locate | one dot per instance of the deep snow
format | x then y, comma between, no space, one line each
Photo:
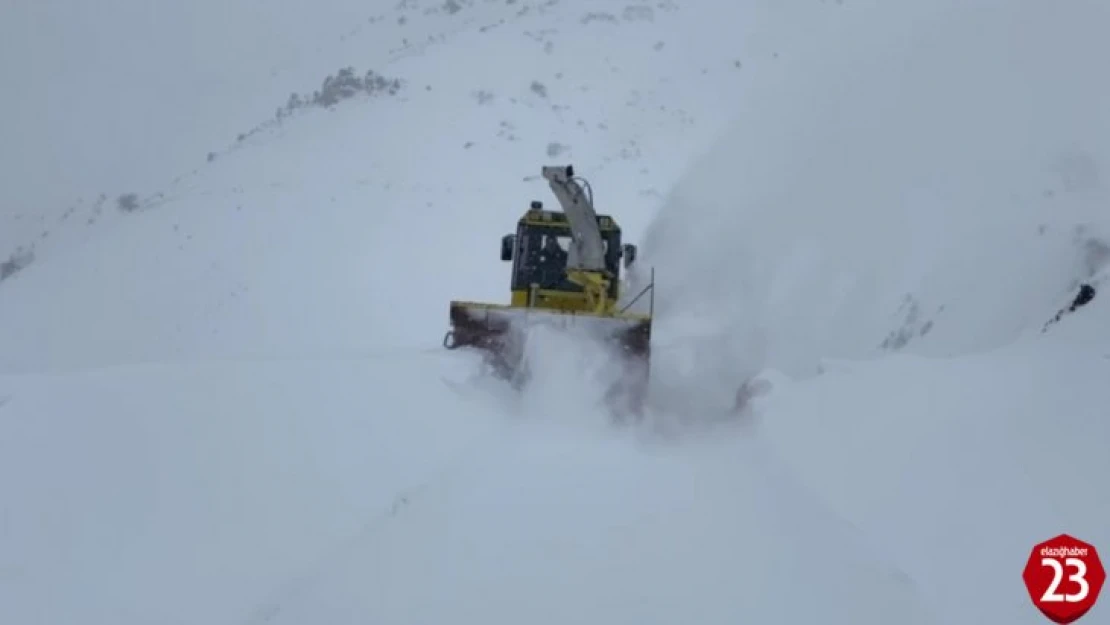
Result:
232,406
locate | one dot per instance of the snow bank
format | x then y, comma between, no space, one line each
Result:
191,494
955,467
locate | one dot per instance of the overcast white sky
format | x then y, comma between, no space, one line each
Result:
117,94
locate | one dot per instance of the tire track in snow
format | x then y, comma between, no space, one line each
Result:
441,479
719,524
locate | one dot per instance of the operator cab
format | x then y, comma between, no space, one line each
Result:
541,247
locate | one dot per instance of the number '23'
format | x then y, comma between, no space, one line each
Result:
1079,577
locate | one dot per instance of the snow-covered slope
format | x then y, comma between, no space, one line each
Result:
231,406
165,88
929,176
434,173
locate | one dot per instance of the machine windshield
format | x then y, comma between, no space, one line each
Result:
544,257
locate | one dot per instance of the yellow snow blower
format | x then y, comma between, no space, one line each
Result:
565,274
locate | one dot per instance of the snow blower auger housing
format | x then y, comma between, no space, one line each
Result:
566,274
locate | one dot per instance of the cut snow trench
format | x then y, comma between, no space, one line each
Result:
563,527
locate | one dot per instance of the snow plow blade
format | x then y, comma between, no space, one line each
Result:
500,333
